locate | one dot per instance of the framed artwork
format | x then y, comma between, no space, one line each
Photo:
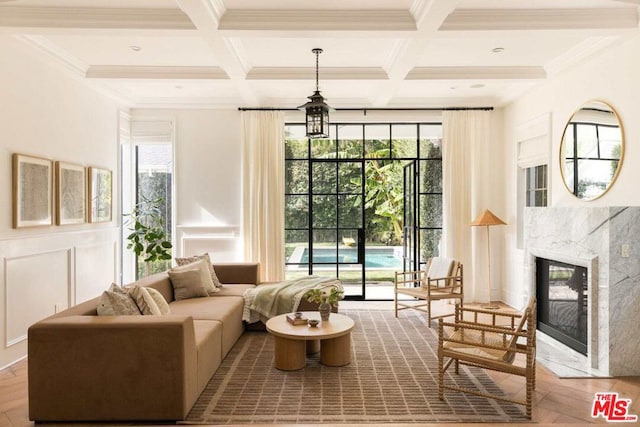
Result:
70,193
99,195
32,191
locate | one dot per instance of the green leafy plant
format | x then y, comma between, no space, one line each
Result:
319,296
148,238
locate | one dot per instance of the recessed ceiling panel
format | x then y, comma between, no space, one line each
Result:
523,49
120,50
146,4
314,4
296,52
175,88
537,4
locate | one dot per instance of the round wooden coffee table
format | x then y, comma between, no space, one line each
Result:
292,343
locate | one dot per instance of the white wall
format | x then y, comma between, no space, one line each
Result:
47,113
208,181
611,77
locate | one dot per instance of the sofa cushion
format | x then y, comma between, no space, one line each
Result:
116,302
190,281
208,343
207,260
227,310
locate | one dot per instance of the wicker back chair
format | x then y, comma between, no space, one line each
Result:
442,279
490,344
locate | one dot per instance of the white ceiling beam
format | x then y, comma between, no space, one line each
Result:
431,14
308,73
318,20
476,73
155,72
206,15
93,17
540,19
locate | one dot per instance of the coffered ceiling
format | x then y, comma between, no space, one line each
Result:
377,53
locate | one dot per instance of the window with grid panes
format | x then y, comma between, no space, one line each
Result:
536,186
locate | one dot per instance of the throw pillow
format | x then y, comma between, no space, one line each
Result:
116,302
145,301
190,281
162,303
214,277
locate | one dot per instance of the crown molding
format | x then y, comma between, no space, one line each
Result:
188,103
76,68
471,73
93,17
540,19
579,53
154,72
314,20
308,73
60,56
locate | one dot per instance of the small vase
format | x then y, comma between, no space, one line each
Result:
325,310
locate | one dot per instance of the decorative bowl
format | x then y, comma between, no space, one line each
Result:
298,314
313,322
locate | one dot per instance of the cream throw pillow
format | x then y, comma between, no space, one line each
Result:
439,267
116,302
191,281
214,277
162,303
149,301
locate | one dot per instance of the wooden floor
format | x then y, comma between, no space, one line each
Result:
557,401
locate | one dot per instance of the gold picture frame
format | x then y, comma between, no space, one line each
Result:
32,191
71,193
100,193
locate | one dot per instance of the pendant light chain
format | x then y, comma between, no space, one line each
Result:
317,67
317,51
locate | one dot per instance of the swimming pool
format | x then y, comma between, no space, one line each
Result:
373,257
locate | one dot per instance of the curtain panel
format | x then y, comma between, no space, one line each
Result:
263,191
465,170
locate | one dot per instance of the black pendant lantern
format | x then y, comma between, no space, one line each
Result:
317,111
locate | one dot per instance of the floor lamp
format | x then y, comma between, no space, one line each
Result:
487,218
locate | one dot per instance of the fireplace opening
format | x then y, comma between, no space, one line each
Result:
561,290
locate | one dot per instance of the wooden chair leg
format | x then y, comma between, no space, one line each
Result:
529,396
395,301
440,363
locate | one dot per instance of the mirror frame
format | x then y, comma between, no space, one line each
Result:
562,157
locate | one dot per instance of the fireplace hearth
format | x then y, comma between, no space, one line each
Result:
562,294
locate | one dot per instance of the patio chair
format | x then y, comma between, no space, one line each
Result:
442,279
490,339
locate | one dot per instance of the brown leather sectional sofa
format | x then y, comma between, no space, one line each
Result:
85,367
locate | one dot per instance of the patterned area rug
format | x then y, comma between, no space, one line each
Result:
392,378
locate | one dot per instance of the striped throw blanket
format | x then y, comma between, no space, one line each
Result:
266,301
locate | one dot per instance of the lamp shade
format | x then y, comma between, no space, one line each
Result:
487,218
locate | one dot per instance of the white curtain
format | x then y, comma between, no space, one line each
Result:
465,191
263,191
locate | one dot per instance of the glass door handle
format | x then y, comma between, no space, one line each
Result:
360,245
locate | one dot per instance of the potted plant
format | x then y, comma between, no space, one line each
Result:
325,299
148,238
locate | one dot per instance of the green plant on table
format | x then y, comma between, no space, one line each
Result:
326,296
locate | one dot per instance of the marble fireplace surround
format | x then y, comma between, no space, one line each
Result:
593,238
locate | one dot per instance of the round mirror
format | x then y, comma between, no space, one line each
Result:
591,150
